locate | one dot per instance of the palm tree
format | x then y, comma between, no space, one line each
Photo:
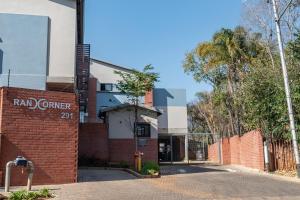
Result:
222,61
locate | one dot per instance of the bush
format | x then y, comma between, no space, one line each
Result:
24,195
150,168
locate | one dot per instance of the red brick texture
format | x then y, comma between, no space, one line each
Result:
92,100
49,138
93,141
149,98
213,152
246,150
124,149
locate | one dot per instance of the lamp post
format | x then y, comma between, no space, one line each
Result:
286,82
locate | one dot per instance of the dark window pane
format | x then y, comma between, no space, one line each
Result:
106,87
143,130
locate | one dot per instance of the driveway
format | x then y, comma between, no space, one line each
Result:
178,183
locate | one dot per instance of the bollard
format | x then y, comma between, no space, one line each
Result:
30,175
138,161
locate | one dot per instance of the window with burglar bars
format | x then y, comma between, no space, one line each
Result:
143,130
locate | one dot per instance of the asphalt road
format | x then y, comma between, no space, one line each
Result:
178,183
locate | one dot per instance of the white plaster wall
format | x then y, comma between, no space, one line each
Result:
121,123
173,120
104,73
62,14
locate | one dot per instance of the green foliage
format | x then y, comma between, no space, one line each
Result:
24,195
248,87
222,62
137,83
150,168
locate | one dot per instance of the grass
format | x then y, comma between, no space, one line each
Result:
25,195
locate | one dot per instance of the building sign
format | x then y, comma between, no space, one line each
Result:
44,104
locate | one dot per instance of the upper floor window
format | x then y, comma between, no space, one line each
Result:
107,87
143,130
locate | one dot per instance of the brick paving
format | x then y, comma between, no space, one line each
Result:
178,183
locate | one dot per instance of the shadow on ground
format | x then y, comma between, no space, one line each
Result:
94,175
187,169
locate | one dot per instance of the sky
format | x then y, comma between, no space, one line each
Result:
134,33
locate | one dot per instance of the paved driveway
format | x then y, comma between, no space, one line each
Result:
178,183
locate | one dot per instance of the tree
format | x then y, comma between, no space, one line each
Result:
135,85
222,62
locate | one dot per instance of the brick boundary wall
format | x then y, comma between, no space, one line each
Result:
246,150
93,141
48,137
213,153
124,149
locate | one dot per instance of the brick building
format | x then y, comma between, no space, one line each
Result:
163,141
42,61
56,108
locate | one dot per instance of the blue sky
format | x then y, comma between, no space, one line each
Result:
134,33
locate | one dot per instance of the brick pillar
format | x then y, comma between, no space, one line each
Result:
149,98
92,100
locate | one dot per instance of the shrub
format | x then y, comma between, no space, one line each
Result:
150,168
24,195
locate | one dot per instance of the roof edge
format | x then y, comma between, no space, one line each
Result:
112,65
125,105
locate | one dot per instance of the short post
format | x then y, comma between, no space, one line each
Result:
7,175
30,175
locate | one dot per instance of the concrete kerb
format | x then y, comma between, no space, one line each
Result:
239,168
130,171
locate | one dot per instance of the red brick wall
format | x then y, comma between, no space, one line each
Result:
93,141
92,100
41,136
149,98
246,150
235,142
124,149
251,150
213,152
226,151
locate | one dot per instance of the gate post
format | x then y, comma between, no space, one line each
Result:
266,156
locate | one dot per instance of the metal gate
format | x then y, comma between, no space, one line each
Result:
198,146
185,147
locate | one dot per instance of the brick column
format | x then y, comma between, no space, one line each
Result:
92,100
149,98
